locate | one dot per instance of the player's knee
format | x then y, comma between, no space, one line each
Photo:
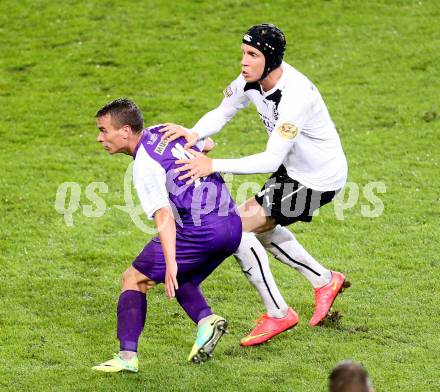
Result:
128,278
267,227
132,279
252,215
265,238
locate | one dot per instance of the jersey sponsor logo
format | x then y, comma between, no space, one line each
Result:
287,131
153,138
275,113
247,38
160,148
228,92
267,122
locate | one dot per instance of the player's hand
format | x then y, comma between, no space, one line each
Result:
171,284
209,145
199,166
173,131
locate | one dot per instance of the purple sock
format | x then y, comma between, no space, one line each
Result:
132,312
191,299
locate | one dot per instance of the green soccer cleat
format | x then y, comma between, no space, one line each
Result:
117,364
208,335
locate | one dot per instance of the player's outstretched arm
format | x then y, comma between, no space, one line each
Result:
174,131
211,123
209,145
265,162
166,226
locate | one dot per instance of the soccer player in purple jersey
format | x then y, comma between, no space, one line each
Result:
198,226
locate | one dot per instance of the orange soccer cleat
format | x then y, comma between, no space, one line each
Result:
268,327
326,295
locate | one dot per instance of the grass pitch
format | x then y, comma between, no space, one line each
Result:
376,65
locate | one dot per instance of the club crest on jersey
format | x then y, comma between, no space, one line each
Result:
228,92
287,131
160,148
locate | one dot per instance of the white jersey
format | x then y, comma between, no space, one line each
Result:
302,135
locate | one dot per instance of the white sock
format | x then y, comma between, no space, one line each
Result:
283,245
127,355
255,265
205,319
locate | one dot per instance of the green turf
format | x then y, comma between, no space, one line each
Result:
375,63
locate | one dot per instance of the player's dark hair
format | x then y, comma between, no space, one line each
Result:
349,376
123,112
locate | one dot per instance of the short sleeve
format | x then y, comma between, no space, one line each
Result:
149,179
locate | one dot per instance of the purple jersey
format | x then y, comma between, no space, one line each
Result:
157,184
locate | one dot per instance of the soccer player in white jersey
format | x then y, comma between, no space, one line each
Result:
309,168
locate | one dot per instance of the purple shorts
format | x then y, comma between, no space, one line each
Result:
199,250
